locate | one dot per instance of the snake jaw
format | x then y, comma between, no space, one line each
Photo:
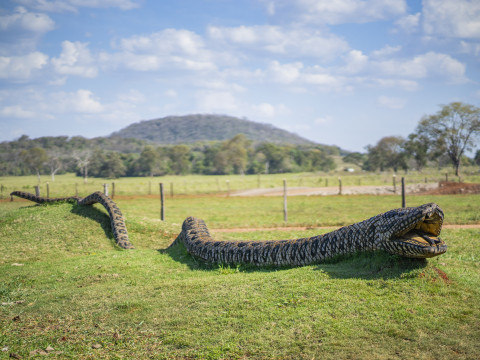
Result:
421,238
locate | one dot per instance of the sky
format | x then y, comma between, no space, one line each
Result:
337,72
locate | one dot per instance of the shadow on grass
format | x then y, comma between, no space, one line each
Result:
97,215
369,265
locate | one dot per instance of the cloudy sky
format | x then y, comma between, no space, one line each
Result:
342,72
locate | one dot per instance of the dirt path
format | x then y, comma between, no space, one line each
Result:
303,228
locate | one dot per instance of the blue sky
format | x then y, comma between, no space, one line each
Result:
340,72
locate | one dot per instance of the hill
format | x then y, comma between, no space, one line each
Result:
193,128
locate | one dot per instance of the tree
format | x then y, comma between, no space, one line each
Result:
34,158
456,125
179,159
83,158
55,162
388,153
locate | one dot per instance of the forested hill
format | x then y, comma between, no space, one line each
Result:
193,128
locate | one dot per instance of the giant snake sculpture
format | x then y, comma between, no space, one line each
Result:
411,232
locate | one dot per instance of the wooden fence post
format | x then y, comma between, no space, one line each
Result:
285,211
394,183
403,192
37,190
48,190
113,189
339,186
171,189
162,203
105,189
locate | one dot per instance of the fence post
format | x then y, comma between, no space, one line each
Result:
339,186
446,177
105,189
403,192
171,189
37,190
48,190
285,211
113,189
394,183
76,189
162,203
149,188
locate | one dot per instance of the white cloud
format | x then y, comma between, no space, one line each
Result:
168,48
392,102
216,101
75,59
423,66
80,101
356,62
21,67
21,19
340,11
267,110
409,23
452,18
73,5
21,30
284,73
386,51
16,111
290,42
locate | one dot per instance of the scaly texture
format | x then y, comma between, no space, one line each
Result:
116,218
409,232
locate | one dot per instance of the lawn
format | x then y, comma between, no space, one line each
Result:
68,291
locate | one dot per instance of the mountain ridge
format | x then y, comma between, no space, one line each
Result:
185,129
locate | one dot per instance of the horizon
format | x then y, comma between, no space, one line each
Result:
333,72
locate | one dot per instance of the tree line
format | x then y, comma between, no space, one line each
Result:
113,158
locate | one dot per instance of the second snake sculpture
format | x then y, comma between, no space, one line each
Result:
116,218
410,232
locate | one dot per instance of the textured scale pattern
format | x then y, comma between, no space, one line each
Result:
116,218
379,232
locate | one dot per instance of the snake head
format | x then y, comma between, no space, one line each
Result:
412,232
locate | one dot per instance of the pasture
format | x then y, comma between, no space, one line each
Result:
69,292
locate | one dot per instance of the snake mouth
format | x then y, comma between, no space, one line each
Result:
421,240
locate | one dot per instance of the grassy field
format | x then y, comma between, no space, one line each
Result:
68,291
69,184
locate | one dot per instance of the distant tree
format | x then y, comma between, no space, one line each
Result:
34,158
387,153
232,157
83,159
147,161
179,159
456,125
112,166
356,158
55,162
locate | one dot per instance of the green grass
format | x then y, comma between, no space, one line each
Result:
76,289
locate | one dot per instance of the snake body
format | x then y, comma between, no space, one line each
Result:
411,232
117,221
